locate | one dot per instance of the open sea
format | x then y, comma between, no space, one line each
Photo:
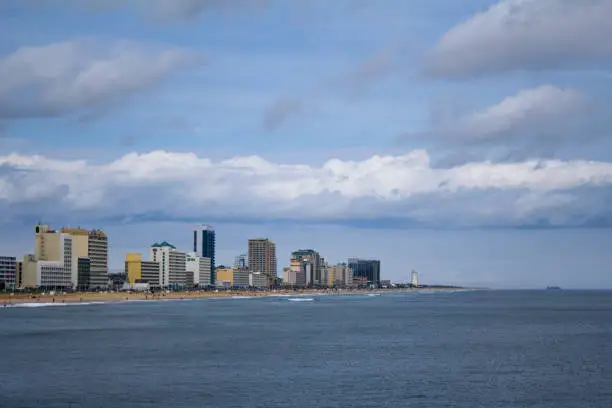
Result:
461,349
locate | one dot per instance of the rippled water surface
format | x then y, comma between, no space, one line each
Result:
462,349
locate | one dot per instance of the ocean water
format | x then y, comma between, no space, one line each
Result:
463,349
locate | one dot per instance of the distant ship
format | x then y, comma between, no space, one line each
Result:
553,288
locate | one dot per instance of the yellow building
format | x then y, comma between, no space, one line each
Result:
138,271
331,275
225,275
133,267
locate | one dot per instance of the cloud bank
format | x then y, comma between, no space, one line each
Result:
526,35
80,75
404,189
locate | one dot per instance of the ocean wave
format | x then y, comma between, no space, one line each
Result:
300,299
242,297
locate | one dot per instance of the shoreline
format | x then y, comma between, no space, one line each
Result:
7,299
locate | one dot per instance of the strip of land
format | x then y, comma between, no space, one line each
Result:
107,297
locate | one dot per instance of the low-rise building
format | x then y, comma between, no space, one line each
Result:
241,278
289,277
200,267
139,271
53,275
258,280
225,275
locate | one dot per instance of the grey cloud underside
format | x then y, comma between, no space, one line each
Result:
80,76
402,191
541,122
526,35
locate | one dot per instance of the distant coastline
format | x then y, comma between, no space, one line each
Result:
110,297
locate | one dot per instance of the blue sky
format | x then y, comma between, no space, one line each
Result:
451,137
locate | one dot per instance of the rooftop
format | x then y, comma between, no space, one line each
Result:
162,244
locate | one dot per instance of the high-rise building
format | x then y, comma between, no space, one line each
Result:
339,275
241,261
312,264
172,264
204,245
200,267
92,245
366,268
55,263
8,271
139,271
262,258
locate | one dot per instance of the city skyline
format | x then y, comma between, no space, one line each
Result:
453,137
77,258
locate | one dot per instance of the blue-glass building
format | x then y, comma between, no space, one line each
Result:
368,268
204,246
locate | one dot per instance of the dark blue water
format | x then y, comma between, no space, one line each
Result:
473,349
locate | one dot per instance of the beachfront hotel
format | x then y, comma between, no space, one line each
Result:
262,258
172,264
53,264
367,270
90,245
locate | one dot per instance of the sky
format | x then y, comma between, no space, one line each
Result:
468,140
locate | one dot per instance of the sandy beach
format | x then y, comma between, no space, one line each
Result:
108,297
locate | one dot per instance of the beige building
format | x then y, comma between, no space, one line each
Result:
339,275
28,271
93,245
53,264
262,258
289,276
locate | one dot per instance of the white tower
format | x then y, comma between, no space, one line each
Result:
414,279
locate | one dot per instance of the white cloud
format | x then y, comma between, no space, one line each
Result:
403,187
526,35
76,76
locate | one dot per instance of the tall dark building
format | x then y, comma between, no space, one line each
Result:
84,273
368,268
204,246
